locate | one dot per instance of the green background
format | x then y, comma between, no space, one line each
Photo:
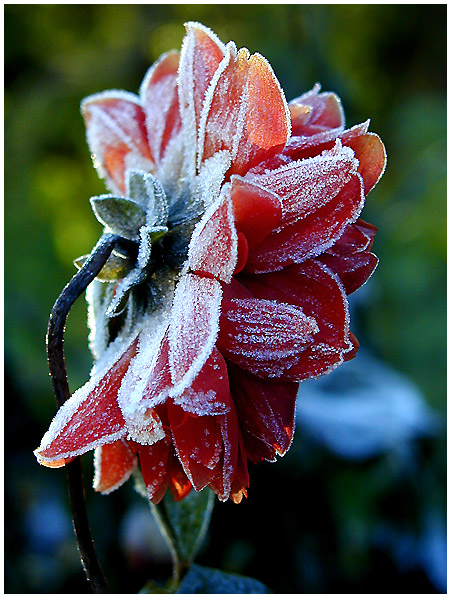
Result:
387,62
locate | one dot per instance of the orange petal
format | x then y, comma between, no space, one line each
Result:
117,136
114,464
370,152
159,97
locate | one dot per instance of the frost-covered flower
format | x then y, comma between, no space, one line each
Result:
241,239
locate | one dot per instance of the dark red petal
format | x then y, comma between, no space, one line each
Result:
355,347
114,463
209,392
353,270
370,152
317,290
213,248
257,210
243,253
263,336
179,484
356,237
312,235
266,412
240,481
117,136
90,418
159,97
153,460
225,470
197,441
193,329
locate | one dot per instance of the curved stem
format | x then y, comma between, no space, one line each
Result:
57,367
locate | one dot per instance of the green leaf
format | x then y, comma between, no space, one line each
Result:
185,522
203,580
146,190
115,268
122,216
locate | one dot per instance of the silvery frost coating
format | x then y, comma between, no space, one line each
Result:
241,239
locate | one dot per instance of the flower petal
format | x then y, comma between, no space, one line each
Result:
113,465
245,111
266,411
153,461
90,418
209,392
225,470
370,151
213,248
198,444
200,56
240,481
356,237
353,270
312,235
257,210
261,335
193,329
159,97
117,136
315,112
312,286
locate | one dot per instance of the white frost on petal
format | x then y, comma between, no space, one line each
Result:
142,425
207,184
193,329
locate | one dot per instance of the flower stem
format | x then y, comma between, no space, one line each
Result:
58,374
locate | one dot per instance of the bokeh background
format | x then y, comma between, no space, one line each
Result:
358,504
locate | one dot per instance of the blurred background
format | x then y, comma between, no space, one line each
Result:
358,504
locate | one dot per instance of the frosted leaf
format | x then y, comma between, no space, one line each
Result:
214,244
148,191
98,297
132,279
115,268
148,235
121,216
193,328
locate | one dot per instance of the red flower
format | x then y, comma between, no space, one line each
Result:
258,204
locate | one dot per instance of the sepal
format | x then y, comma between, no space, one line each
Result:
115,268
122,216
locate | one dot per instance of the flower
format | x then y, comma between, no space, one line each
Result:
240,240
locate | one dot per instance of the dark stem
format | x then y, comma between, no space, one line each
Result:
58,374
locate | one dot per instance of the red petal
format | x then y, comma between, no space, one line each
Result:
245,111
117,136
179,484
114,463
221,483
355,347
354,270
240,480
266,411
312,235
262,336
159,382
200,57
198,443
213,248
356,237
318,291
315,112
153,461
257,210
209,392
305,186
193,329
90,418
159,97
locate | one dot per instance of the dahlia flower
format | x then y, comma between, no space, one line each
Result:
240,239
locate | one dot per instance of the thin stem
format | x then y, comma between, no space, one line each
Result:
58,374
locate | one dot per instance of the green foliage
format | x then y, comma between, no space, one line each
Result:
203,580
